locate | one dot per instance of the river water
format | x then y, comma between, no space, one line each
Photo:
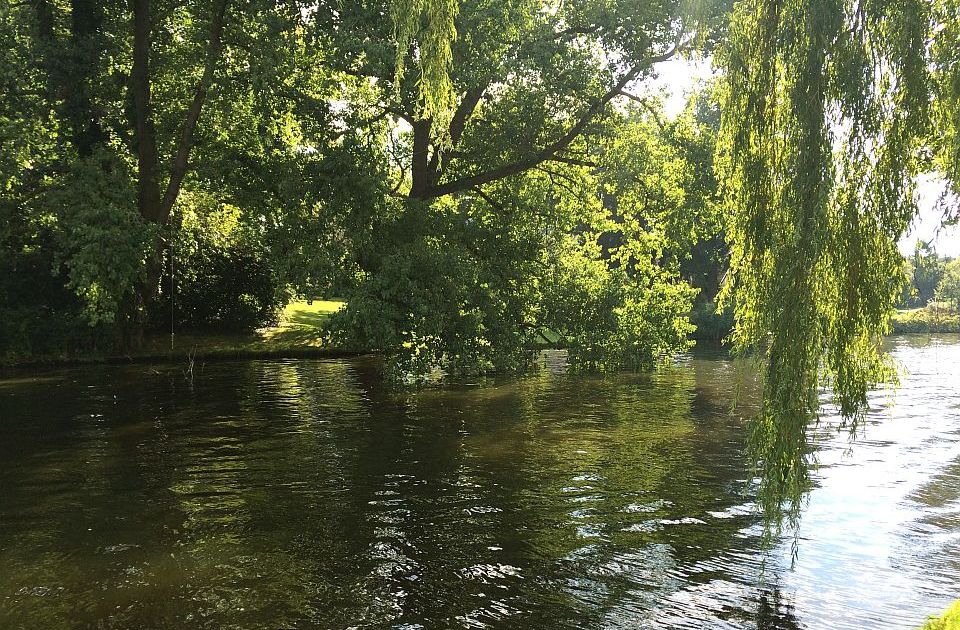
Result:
307,494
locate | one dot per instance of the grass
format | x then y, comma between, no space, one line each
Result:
949,620
936,317
300,328
298,333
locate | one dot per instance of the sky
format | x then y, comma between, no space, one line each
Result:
677,77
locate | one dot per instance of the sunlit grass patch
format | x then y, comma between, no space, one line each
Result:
301,323
315,313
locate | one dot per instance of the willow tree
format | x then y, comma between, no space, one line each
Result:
431,25
946,72
826,114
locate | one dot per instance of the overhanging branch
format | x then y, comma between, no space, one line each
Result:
552,149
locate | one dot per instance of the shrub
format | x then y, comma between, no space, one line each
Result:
949,288
711,325
222,273
934,318
949,620
39,314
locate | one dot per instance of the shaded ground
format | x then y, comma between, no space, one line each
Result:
300,328
299,333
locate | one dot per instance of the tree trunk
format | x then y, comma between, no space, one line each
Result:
155,203
420,168
148,188
85,25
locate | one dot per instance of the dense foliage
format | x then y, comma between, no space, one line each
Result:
472,196
480,178
924,271
826,111
948,290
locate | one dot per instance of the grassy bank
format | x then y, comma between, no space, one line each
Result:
929,319
297,334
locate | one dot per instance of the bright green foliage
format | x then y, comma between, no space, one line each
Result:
927,270
933,318
524,222
949,620
824,107
583,255
431,24
615,319
908,293
949,289
444,288
946,108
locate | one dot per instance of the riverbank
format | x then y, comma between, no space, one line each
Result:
298,334
934,318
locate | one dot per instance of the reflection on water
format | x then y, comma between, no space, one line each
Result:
294,494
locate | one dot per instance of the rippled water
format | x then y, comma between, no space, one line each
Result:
306,494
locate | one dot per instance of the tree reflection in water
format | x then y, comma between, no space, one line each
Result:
309,493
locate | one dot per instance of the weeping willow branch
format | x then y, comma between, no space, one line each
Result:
946,64
429,28
825,105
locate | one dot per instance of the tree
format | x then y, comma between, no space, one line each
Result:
928,270
113,112
502,191
826,108
88,73
949,289
155,201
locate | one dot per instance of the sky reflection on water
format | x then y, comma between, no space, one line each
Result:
307,494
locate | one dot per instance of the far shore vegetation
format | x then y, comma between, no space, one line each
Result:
929,303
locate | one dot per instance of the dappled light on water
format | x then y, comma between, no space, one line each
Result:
310,494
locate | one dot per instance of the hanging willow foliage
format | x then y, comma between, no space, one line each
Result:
428,26
825,106
946,64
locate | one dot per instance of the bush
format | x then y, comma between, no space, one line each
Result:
949,620
39,314
711,326
949,288
222,273
936,317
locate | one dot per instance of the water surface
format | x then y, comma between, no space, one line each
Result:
307,494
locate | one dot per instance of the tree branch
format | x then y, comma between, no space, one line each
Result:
181,160
490,200
458,123
646,105
573,161
549,151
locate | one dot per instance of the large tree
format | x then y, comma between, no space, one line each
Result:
497,149
523,84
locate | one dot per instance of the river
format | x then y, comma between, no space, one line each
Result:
307,494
